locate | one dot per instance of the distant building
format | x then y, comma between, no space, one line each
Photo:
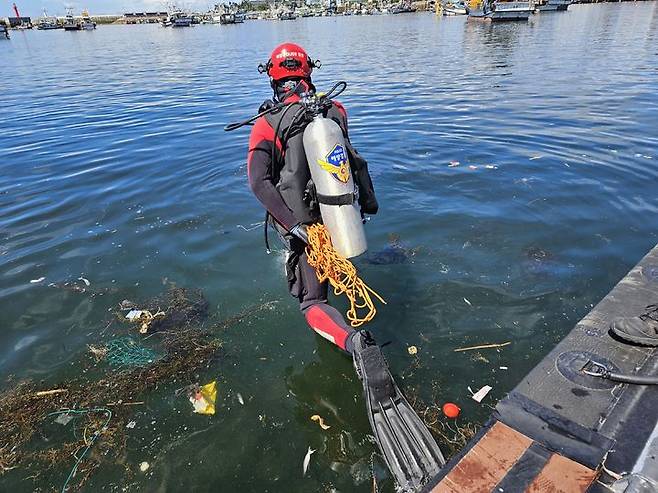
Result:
17,21
145,14
143,17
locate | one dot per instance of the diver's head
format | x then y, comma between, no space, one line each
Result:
289,69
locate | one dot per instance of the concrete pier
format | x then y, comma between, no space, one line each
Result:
563,430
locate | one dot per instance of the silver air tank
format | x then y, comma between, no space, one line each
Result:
329,164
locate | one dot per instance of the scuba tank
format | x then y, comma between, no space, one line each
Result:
326,153
337,194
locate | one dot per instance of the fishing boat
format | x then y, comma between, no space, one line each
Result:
177,18
553,5
500,10
287,15
70,22
453,8
402,8
227,18
47,23
87,24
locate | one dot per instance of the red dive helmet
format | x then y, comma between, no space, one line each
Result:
288,60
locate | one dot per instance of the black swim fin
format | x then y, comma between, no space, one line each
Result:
412,455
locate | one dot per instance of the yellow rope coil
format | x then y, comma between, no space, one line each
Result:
340,272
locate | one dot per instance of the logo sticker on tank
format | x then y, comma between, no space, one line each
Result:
337,164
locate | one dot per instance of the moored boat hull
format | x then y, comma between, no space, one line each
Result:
503,11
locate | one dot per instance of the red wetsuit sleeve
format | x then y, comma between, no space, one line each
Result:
261,176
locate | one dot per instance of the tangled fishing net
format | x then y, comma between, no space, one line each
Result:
342,275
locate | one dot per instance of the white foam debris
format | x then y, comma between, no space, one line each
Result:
482,393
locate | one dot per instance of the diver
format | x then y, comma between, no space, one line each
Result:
280,178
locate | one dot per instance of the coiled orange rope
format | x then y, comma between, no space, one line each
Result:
340,272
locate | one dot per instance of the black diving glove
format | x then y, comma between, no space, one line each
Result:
300,231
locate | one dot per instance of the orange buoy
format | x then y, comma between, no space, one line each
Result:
451,410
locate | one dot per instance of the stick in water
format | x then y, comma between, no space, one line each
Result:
44,393
484,346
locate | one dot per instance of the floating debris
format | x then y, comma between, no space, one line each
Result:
451,410
63,419
251,227
99,353
240,399
86,281
144,466
144,317
184,349
307,460
131,425
320,420
412,350
203,399
483,346
36,281
481,394
453,164
46,393
125,351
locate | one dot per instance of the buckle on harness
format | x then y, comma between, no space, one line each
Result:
344,199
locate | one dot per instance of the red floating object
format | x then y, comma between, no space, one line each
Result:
451,410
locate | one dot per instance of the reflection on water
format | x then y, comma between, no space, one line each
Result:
116,169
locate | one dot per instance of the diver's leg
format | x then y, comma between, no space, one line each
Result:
320,316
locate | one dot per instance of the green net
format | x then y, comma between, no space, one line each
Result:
125,351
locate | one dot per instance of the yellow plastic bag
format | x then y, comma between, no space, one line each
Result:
204,399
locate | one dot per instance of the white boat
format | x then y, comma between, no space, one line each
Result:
47,23
500,10
87,24
451,9
177,19
70,22
553,5
230,18
286,15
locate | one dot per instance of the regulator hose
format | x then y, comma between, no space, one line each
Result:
601,371
330,94
336,90
234,126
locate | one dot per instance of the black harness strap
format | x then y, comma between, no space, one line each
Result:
344,199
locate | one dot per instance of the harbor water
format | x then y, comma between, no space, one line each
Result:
515,165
